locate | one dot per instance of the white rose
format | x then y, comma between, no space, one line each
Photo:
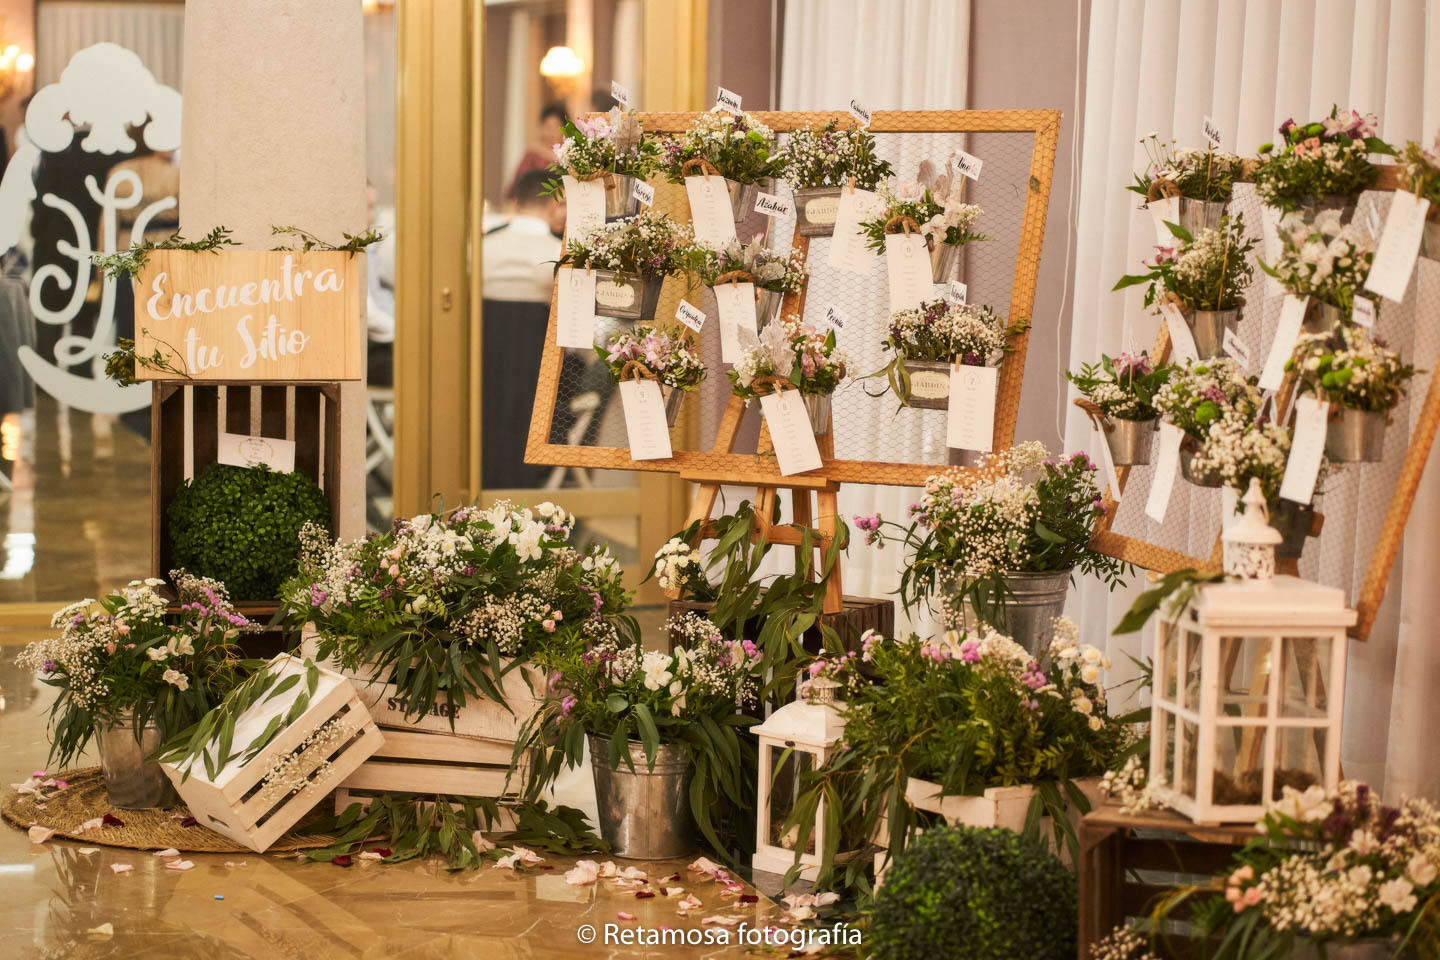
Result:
1421,870
1090,655
177,679
1083,705
1096,724
1090,673
1398,895
656,667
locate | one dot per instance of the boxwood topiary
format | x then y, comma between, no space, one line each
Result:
241,526
978,893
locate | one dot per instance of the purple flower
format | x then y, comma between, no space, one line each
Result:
317,595
49,666
567,705
970,651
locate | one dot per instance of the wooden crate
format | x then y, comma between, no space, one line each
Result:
1127,861
860,614
437,763
237,804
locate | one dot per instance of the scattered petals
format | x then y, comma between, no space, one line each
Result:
87,851
370,855
749,898
232,863
543,866
383,851
722,921
584,872
801,913
633,873
61,784
622,915
691,902
341,861
481,844
94,824
180,865
110,820
104,931
644,894
121,867
706,866
40,834
673,877
518,856
671,891
167,852
38,775
608,869
189,822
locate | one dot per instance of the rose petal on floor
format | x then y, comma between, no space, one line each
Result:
180,865
121,867
167,852
105,931
39,834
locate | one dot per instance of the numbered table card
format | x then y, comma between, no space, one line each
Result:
970,421
1182,341
736,303
710,210
1166,465
790,432
645,420
1287,331
907,263
575,308
1307,447
847,248
584,206
1399,246
240,450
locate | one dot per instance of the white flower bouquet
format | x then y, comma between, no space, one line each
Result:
1327,160
647,246
768,269
601,144
949,221
1325,260
1209,271
790,351
1350,369
1196,174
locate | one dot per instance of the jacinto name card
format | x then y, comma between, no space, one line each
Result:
251,315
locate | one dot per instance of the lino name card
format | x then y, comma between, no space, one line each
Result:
240,450
584,206
1182,341
736,303
645,420
1307,447
790,432
1287,331
847,247
970,419
907,264
575,308
1165,467
1399,246
710,210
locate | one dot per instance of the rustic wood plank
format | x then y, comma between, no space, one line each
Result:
307,430
272,411
237,409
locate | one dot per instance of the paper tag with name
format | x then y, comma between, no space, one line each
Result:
1167,463
958,291
1363,311
575,308
710,212
860,113
970,418
620,94
1307,447
240,450
835,317
643,192
772,206
1182,341
968,165
1212,133
736,305
847,248
727,100
1236,348
1399,246
790,432
907,264
1162,211
1270,243
1107,459
1287,331
690,315
645,420
584,206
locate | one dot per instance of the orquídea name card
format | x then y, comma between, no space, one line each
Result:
251,315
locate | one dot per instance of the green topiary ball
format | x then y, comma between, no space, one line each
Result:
241,526
978,893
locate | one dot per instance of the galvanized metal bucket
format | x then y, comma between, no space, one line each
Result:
1430,236
1356,436
1028,615
1321,317
674,398
929,384
1129,440
942,261
817,406
633,298
815,211
743,196
1371,949
1310,209
131,781
966,458
1197,215
1188,450
645,814
1293,521
619,196
766,303
1208,328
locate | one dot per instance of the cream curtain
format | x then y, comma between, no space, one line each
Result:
154,31
1250,64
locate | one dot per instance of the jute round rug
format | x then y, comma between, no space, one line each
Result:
154,829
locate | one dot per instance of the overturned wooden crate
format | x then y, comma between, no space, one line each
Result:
254,803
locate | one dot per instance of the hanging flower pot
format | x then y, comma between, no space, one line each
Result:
817,407
1310,208
644,812
1189,450
674,398
1321,317
1026,613
626,298
742,195
1197,215
929,384
1430,235
767,302
619,196
815,210
132,781
1129,440
1294,522
942,255
1356,436
1208,328
965,458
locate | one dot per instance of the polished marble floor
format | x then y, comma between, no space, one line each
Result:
276,908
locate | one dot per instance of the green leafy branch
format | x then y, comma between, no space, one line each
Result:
122,363
129,263
1182,583
354,242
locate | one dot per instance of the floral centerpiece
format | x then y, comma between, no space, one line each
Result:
1121,397
1362,381
792,354
1325,261
1023,529
925,340
819,162
1324,164
607,146
446,604
1196,396
1206,275
1422,178
1202,180
737,147
123,667
773,272
672,360
955,715
946,224
651,714
631,258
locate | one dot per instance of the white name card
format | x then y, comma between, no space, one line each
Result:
575,308
1235,347
1164,480
727,100
643,192
1166,209
1287,331
968,165
907,264
645,420
620,94
1399,246
860,113
1212,133
1182,341
736,305
847,248
772,206
690,315
970,418
790,432
1307,447
240,450
1363,311
835,317
710,210
584,206
958,292
1112,476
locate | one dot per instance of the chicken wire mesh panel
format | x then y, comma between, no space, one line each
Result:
1355,498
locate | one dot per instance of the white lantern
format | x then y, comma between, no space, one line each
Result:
807,728
1249,689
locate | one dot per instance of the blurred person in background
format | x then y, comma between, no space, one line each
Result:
541,152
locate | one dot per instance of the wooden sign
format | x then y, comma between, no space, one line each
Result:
251,315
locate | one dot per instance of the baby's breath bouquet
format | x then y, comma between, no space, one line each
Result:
942,331
1200,392
1123,388
1324,259
1209,271
769,269
792,351
829,157
949,221
644,246
601,144
737,146
1350,369
1237,449
673,359
1197,174
1328,159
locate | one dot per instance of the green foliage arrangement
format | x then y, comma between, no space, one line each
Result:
981,894
1198,174
612,143
1422,170
241,526
1323,160
829,157
738,146
1207,272
1124,387
1348,368
126,265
